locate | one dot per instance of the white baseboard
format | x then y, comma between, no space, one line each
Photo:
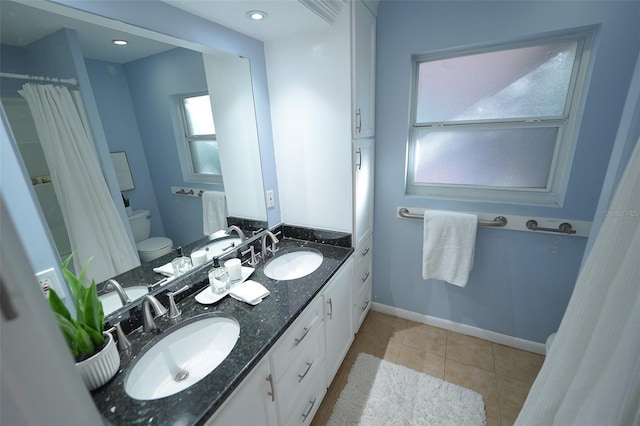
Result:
492,336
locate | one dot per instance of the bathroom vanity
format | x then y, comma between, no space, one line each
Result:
289,347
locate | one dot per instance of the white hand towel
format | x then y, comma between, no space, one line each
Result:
449,244
166,270
214,212
250,292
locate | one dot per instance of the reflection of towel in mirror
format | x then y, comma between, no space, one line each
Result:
214,211
449,244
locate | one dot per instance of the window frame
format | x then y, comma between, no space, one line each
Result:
567,123
184,148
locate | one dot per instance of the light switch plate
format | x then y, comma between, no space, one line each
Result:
270,198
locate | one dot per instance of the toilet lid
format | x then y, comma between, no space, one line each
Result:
153,244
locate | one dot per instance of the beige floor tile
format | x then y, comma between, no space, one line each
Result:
470,350
477,379
517,364
423,361
511,396
494,421
426,338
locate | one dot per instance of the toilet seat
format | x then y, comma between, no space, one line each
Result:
153,248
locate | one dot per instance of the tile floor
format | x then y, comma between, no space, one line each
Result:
503,375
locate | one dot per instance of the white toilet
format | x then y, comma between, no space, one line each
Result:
148,248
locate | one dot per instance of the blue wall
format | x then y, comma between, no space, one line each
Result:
521,281
111,89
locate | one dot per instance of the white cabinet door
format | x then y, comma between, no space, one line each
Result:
253,403
363,56
337,318
363,157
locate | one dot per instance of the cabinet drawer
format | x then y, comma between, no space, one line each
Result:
294,339
364,250
364,269
362,304
301,372
309,400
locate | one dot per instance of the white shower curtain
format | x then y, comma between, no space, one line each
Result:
94,225
591,375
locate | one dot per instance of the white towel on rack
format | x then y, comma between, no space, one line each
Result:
214,211
449,245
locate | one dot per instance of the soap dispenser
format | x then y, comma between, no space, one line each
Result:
218,278
181,263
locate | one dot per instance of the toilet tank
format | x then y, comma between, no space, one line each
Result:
140,222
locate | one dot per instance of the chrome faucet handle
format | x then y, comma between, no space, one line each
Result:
253,261
174,312
122,342
115,285
149,302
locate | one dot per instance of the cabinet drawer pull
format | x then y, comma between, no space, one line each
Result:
358,120
304,416
365,305
272,394
365,276
365,251
359,154
303,375
306,331
330,302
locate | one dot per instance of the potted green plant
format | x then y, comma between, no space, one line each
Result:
95,351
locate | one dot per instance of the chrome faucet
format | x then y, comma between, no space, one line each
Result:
115,285
272,249
149,302
238,231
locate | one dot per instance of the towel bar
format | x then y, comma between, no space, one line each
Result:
497,222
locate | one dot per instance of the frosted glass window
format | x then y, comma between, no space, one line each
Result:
200,157
205,157
198,116
510,158
517,83
497,123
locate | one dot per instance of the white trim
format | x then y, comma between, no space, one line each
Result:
492,336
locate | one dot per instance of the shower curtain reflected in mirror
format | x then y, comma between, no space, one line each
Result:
94,226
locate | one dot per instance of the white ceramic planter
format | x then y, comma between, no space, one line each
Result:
102,366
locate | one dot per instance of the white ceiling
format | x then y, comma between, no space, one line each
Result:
25,21
286,18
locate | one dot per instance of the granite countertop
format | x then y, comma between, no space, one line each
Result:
260,328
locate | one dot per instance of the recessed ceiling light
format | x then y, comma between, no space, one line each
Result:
120,42
256,15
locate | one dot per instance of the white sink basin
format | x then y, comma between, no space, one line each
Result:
216,248
183,357
293,265
111,301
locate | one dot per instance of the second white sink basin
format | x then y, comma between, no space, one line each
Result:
293,265
111,301
189,352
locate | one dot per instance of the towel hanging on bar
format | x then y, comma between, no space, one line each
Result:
448,246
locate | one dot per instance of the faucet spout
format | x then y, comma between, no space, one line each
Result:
266,252
237,230
115,285
149,302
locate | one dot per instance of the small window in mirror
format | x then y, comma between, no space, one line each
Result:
200,144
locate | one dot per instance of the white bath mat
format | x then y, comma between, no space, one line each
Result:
379,392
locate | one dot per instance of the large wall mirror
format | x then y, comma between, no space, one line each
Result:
137,99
